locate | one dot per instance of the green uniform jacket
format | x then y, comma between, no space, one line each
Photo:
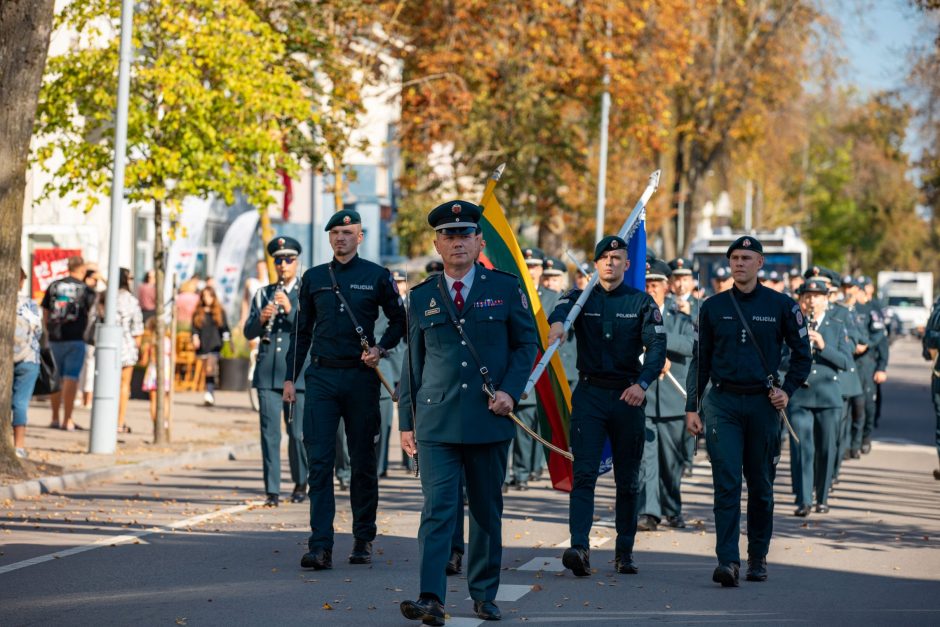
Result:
663,398
271,369
548,299
822,386
849,381
449,403
390,365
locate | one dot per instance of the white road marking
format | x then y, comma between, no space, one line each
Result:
595,542
510,592
461,621
125,538
547,564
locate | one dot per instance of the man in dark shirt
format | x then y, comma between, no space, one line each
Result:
742,423
66,305
340,301
616,323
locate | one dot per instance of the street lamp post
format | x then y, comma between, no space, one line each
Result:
104,411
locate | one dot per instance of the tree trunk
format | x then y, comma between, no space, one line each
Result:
161,433
25,28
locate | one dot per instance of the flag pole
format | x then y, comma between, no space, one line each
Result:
625,232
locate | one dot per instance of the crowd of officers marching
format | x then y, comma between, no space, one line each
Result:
654,372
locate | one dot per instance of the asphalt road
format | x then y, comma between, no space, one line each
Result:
186,547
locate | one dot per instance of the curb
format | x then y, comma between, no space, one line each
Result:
45,485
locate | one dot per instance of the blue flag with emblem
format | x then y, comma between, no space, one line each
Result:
635,277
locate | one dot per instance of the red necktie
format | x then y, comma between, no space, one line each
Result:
458,297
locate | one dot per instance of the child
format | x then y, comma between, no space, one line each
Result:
150,376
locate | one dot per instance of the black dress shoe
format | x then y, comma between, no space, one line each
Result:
453,564
272,500
802,511
625,565
318,559
578,561
676,522
822,508
727,575
428,611
487,610
936,475
757,569
361,553
343,484
866,446
299,495
646,523
522,486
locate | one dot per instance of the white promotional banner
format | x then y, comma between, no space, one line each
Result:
231,260
181,257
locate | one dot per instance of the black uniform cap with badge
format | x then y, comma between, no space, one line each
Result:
680,267
817,272
457,217
284,247
746,242
345,217
553,266
611,242
657,269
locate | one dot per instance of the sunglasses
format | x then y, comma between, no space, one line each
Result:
279,260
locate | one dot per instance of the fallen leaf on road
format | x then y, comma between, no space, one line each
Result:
327,606
180,621
536,588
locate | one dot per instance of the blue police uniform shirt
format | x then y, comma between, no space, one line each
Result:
725,352
612,330
367,287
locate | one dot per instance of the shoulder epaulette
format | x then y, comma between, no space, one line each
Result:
497,270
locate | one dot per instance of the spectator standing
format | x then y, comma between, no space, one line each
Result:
86,380
25,362
187,300
66,306
210,330
131,319
147,296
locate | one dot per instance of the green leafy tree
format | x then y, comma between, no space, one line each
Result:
208,102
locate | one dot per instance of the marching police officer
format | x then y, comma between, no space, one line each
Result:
616,323
467,327
340,301
853,405
664,451
272,317
816,408
931,352
738,350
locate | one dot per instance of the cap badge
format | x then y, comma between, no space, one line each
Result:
455,209
614,244
347,220
648,266
680,263
280,241
550,263
746,243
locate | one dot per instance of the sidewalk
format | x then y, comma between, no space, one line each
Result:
198,433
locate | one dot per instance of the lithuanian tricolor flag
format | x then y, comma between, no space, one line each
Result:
553,395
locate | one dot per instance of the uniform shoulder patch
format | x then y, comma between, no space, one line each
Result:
525,301
657,316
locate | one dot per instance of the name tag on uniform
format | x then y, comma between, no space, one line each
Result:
360,286
431,312
626,315
588,313
488,302
727,317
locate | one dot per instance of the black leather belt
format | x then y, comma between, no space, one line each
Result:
607,383
353,362
737,388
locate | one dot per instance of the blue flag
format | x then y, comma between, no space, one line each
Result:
635,277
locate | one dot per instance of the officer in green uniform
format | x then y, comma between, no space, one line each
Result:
341,381
467,327
527,455
272,317
853,407
873,363
816,407
568,350
931,352
862,337
682,284
390,367
614,326
742,424
663,454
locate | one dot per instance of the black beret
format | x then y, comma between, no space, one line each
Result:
680,266
657,269
611,242
554,266
284,246
456,217
343,218
746,242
